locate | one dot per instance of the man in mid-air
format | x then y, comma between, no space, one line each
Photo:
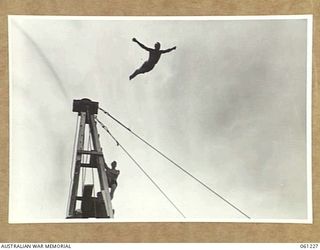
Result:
154,56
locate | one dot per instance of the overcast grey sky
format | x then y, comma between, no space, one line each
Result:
229,105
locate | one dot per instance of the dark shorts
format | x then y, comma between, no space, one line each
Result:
146,67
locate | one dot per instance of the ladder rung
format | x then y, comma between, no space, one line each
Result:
80,198
92,152
87,165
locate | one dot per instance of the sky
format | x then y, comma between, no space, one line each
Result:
228,105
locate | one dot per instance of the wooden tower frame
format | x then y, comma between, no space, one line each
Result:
87,110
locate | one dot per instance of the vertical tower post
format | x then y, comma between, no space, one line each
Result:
77,167
87,110
104,186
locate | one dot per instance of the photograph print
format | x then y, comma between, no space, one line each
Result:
142,119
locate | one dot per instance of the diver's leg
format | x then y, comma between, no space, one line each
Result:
146,67
137,72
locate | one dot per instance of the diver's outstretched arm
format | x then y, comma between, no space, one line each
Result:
168,50
141,45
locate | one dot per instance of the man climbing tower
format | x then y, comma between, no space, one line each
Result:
154,56
112,175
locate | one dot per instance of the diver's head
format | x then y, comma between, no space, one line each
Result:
157,45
